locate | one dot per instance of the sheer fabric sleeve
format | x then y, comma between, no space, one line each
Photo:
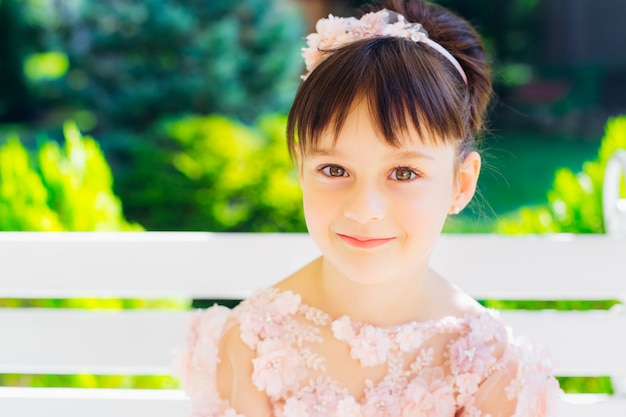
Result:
522,385
196,364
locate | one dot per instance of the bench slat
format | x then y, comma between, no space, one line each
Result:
133,342
206,265
582,343
606,406
141,342
64,402
71,402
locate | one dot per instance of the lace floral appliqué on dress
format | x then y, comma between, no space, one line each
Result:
454,366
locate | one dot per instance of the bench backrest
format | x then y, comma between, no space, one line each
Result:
231,266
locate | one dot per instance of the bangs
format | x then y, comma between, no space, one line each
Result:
407,86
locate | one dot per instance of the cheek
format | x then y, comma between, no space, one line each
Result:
424,210
427,197
316,207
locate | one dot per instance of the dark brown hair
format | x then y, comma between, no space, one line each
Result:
406,84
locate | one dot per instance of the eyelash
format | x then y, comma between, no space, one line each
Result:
325,169
415,173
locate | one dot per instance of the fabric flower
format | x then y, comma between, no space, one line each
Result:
342,329
295,408
514,388
375,22
370,345
473,411
383,400
335,32
485,326
428,397
409,338
232,413
469,354
320,401
348,407
277,367
546,400
200,355
538,391
448,324
267,317
466,387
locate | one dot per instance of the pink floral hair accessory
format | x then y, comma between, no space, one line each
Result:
334,32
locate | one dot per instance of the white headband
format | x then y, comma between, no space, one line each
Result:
335,32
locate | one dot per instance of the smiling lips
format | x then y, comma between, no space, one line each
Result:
364,242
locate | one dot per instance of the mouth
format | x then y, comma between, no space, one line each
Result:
363,242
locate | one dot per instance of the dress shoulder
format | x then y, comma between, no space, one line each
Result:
195,364
522,383
535,387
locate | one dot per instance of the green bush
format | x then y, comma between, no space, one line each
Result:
131,63
67,189
216,174
14,95
575,200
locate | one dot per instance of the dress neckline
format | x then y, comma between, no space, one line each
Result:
447,320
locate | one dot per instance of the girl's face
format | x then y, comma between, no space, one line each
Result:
375,211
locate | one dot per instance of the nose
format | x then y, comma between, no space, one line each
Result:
365,204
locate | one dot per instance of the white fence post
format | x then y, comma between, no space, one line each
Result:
613,204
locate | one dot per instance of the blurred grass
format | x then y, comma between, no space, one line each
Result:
94,303
586,385
559,305
518,170
89,381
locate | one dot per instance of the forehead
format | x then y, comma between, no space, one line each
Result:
361,128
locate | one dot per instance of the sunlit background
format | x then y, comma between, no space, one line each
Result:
170,114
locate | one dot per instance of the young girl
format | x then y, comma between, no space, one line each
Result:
382,129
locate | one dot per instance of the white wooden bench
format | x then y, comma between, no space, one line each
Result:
229,266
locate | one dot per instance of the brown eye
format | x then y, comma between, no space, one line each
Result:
334,171
403,174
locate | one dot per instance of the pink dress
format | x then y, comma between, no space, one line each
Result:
454,366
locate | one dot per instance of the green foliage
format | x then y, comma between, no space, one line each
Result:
14,95
213,173
96,303
586,385
510,28
48,65
63,189
575,200
132,63
90,381
561,305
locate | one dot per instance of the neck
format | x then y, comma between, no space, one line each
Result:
394,301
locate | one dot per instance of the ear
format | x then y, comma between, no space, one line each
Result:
466,181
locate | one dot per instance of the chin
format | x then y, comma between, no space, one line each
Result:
365,272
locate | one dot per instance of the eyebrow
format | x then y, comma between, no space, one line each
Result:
412,155
324,152
393,154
